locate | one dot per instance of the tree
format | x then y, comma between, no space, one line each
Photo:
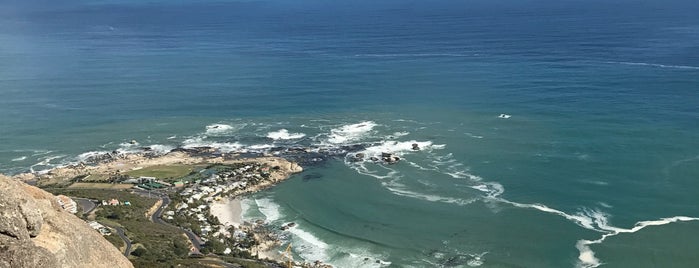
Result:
139,252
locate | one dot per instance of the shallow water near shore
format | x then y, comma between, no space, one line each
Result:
544,139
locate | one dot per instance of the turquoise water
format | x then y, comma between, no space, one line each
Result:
602,132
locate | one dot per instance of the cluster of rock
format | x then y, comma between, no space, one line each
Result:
36,232
287,226
390,158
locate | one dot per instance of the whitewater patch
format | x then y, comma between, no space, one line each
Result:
160,149
473,135
399,148
284,134
21,158
351,133
269,209
587,259
46,162
222,129
88,155
225,147
309,246
431,198
400,134
312,248
260,147
476,259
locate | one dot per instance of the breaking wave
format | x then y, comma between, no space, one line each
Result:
222,129
351,133
284,134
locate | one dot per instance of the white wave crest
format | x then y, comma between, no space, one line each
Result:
473,135
267,207
476,259
21,158
491,189
87,155
284,134
160,148
398,147
686,67
46,163
260,146
225,147
432,198
221,129
351,133
587,259
400,134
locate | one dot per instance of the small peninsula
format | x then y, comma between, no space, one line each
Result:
176,208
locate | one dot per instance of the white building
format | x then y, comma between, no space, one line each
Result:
67,204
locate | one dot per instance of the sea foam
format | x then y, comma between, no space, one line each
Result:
222,129
225,147
284,134
21,158
350,133
267,207
587,259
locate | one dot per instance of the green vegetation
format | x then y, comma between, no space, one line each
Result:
116,241
158,245
163,172
161,245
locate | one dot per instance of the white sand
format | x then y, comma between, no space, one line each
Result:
228,211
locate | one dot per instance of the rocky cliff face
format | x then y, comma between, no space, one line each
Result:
36,232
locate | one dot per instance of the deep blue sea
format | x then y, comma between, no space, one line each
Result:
552,133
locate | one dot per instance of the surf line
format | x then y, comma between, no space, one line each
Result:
586,258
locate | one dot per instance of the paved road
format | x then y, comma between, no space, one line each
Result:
122,235
127,241
156,217
86,204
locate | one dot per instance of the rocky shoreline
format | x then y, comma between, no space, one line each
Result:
111,165
251,174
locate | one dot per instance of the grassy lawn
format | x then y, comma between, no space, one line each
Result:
163,172
86,185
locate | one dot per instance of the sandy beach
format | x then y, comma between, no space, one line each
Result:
228,211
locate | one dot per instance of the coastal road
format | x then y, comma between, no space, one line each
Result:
122,235
156,217
86,204
127,241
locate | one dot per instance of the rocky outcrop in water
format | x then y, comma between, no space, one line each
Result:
36,232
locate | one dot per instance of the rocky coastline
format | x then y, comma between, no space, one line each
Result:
251,174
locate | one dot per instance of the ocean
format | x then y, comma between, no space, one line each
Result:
551,133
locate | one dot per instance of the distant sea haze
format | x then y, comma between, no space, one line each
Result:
548,133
